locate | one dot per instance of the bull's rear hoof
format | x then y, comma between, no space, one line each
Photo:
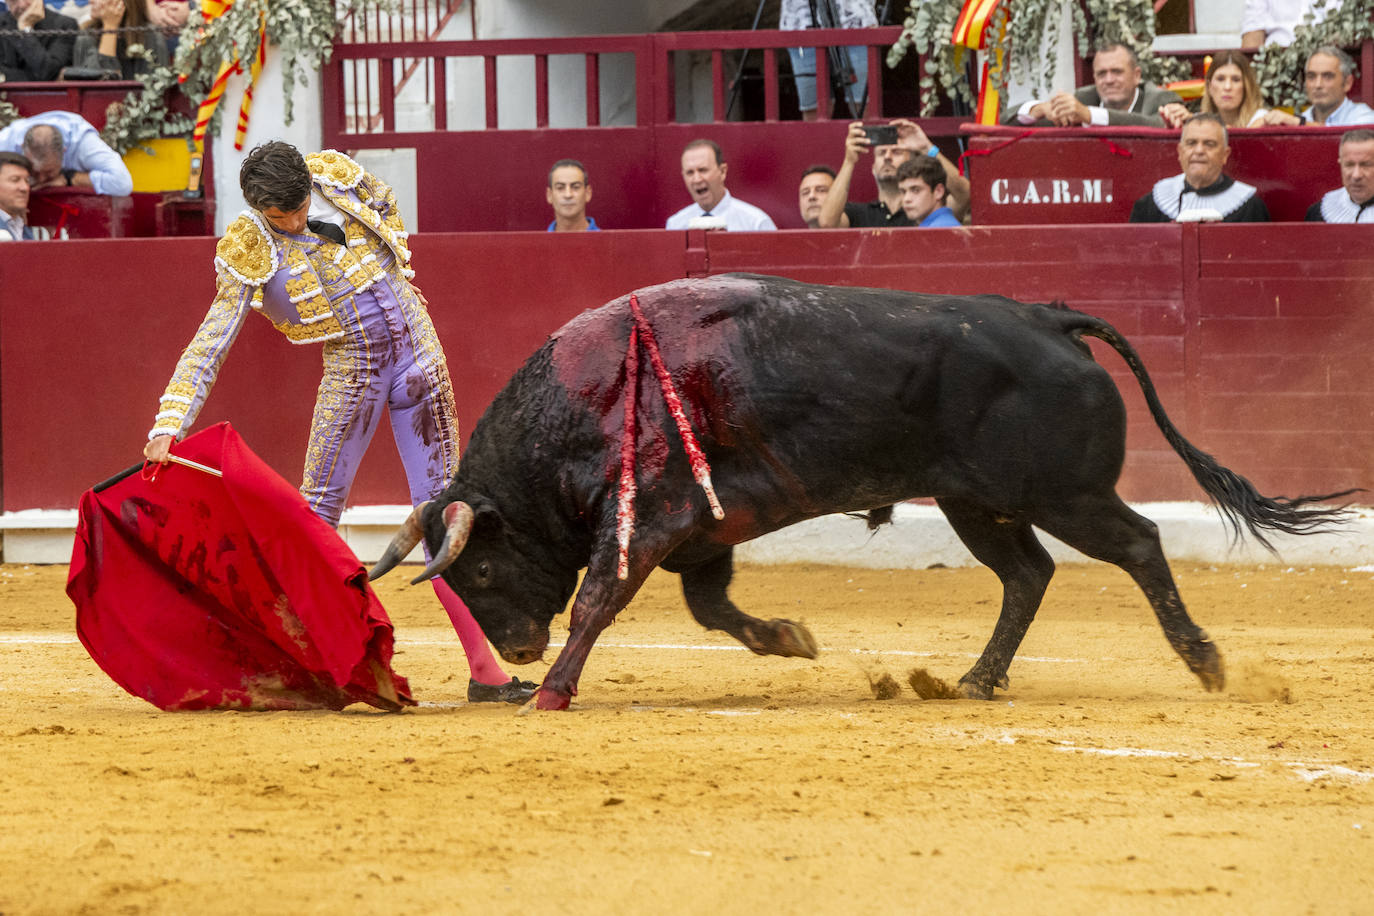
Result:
1206,663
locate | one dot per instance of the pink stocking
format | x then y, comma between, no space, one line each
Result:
481,663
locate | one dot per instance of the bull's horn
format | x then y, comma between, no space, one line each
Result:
412,529
458,518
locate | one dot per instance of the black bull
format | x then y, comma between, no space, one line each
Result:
807,400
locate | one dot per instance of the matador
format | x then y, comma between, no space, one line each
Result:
322,254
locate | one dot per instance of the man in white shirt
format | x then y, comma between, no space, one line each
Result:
66,151
1271,22
703,172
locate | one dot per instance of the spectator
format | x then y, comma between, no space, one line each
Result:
887,209
15,173
168,17
35,42
815,185
703,172
1350,203
922,183
1271,22
1327,80
1231,91
570,190
119,39
67,151
839,14
1117,97
1201,192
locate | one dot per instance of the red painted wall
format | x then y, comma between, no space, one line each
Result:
635,171
1257,336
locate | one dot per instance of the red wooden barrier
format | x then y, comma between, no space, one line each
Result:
88,99
1257,336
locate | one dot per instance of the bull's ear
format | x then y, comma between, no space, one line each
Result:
489,520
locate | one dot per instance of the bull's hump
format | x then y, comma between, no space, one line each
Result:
677,301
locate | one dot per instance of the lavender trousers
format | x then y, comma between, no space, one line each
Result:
389,359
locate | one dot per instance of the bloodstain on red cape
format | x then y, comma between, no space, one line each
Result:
195,592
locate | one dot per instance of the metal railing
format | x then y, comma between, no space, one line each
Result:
411,21
360,81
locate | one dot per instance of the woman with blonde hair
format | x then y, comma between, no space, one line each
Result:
1230,91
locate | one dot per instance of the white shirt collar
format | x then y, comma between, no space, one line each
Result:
719,208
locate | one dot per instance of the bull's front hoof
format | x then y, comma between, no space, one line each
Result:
972,689
793,640
786,638
551,699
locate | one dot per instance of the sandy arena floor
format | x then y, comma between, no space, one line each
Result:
694,777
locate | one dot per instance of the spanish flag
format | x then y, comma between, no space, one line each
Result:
971,31
211,10
971,27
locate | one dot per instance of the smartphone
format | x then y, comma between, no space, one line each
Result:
881,134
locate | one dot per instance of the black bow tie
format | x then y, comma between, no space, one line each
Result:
326,230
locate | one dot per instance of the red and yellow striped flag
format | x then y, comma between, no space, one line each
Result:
970,29
207,107
253,71
211,10
989,99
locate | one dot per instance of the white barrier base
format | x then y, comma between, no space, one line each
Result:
919,537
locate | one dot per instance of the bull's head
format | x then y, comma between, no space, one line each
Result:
512,598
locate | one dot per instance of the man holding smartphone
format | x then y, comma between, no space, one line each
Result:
891,144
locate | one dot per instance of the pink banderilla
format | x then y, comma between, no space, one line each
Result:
701,471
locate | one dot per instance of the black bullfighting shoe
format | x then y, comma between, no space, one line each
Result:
513,691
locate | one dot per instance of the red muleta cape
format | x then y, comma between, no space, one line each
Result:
197,592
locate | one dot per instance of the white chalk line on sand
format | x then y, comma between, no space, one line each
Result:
42,639
37,639
1304,770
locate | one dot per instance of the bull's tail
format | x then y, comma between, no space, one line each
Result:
1243,507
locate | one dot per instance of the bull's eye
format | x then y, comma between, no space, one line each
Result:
484,573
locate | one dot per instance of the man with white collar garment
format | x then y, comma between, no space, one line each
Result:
1201,191
1353,202
703,172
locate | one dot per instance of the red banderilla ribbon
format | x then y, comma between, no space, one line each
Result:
701,470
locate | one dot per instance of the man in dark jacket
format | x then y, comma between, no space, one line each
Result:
1117,97
35,42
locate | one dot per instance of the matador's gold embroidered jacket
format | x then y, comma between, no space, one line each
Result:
303,288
